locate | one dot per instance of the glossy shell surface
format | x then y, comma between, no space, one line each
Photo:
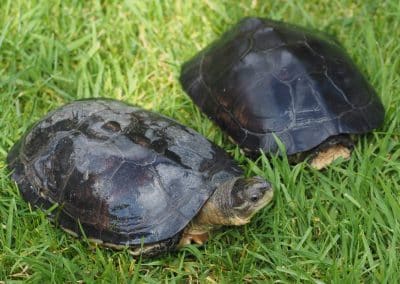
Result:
126,174
264,78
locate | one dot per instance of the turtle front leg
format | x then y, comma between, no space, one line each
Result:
339,146
327,156
193,238
195,233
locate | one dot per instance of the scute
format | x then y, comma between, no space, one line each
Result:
125,174
264,78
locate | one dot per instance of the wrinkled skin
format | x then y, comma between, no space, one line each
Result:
264,78
129,176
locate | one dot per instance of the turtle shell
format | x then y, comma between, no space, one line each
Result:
264,78
126,175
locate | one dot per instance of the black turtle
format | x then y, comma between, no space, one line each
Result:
264,78
130,177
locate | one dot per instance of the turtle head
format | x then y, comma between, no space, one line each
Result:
248,196
234,202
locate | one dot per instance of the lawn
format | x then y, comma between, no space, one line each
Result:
340,225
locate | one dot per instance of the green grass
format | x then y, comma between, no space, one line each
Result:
340,225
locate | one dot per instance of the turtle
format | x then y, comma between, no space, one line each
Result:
124,177
265,80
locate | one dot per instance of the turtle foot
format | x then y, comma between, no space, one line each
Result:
326,156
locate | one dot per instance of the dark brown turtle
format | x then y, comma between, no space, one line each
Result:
130,177
264,78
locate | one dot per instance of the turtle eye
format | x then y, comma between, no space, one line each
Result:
254,198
